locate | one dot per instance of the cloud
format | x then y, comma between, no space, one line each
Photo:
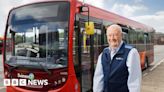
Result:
138,1
97,3
127,10
5,6
155,21
134,12
130,11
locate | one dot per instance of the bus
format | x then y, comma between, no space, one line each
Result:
60,40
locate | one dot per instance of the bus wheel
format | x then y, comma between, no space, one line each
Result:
146,65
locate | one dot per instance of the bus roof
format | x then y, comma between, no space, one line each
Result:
105,15
112,17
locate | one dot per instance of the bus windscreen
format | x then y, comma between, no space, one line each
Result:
39,34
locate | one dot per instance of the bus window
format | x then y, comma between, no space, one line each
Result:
82,59
131,36
40,37
86,63
8,45
125,34
105,40
42,43
97,43
140,45
140,37
39,41
135,37
125,37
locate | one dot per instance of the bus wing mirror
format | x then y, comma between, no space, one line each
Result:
89,28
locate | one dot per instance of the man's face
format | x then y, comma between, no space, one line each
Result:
114,37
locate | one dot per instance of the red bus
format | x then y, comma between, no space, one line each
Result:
49,41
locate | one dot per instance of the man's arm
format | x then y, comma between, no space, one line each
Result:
134,69
98,80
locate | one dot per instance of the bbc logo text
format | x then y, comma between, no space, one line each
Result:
24,82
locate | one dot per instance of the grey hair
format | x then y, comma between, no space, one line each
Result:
115,26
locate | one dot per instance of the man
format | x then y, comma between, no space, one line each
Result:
118,68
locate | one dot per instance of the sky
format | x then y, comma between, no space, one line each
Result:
149,12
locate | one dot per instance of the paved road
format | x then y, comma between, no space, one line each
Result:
1,71
153,77
2,89
153,81
158,53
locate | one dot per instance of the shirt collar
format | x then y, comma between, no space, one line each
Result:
117,47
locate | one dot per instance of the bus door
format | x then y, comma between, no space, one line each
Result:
84,55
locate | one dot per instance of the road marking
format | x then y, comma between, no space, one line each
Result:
156,65
2,88
145,74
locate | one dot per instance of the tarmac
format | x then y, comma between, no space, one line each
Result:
153,81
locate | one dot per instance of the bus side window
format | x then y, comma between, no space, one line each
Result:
140,37
131,36
125,36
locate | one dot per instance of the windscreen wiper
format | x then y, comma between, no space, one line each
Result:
12,68
32,60
17,66
45,68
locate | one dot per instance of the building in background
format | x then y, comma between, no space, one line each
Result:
159,38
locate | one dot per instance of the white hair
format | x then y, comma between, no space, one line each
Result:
115,26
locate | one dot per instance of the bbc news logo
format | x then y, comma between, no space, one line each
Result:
25,80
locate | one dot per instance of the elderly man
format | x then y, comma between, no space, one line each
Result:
118,68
